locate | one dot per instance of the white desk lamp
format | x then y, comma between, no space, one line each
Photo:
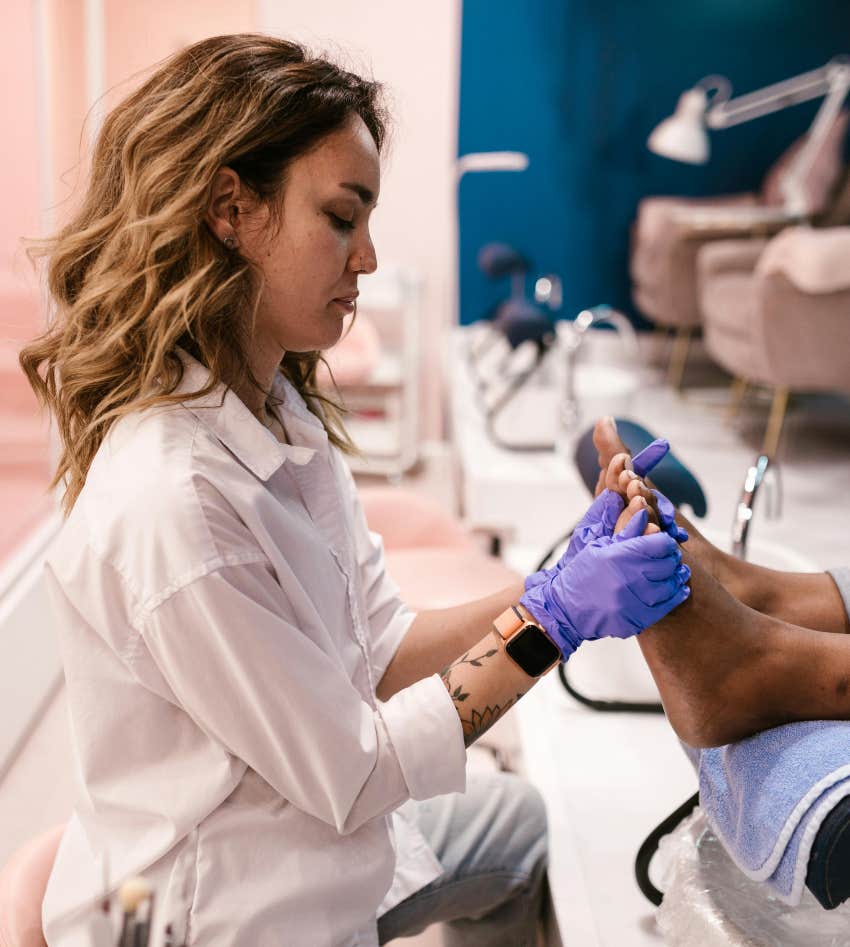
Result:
683,136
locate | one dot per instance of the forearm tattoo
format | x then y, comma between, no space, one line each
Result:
473,720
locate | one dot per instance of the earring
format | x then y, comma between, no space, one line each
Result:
230,242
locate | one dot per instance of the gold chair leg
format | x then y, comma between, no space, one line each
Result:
678,357
736,398
775,422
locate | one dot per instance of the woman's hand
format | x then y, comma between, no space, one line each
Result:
599,520
624,475
615,587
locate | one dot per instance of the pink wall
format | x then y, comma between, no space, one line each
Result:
140,34
18,164
136,35
24,468
67,102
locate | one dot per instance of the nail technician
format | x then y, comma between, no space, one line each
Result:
260,726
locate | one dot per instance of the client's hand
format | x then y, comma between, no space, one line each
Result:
615,587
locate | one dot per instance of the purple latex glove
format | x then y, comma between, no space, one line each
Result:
651,456
598,521
644,462
614,588
667,518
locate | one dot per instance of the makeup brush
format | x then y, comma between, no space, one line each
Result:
133,893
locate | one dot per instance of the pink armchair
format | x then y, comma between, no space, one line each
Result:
777,313
434,559
669,232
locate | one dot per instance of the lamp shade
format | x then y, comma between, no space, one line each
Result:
683,137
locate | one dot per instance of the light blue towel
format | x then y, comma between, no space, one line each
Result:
767,796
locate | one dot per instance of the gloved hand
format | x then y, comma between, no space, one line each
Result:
598,521
651,456
644,462
667,518
615,587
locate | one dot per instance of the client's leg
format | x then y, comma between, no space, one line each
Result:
725,671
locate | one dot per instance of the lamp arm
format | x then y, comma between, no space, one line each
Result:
791,186
772,98
831,81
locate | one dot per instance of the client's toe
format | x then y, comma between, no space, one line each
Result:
606,440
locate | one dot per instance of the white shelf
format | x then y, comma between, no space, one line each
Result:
389,441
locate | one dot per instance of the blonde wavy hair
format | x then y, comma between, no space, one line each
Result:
136,273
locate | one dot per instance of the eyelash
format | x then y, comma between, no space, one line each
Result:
340,223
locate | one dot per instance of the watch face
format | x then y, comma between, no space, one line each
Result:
533,650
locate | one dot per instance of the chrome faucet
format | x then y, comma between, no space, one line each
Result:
586,319
756,475
549,291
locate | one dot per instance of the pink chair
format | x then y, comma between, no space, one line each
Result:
407,519
440,578
434,559
23,881
776,314
670,231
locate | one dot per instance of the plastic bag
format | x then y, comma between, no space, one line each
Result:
709,901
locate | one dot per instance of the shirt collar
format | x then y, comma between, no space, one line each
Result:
229,419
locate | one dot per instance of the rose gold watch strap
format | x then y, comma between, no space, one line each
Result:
507,624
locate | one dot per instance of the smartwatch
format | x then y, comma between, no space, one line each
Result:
526,643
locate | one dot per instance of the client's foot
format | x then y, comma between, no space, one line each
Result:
707,655
723,567
607,441
707,658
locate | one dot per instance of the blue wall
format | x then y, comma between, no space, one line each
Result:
579,85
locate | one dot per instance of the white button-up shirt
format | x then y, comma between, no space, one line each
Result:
224,618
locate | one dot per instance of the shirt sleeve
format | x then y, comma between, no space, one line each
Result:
389,617
227,645
841,577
